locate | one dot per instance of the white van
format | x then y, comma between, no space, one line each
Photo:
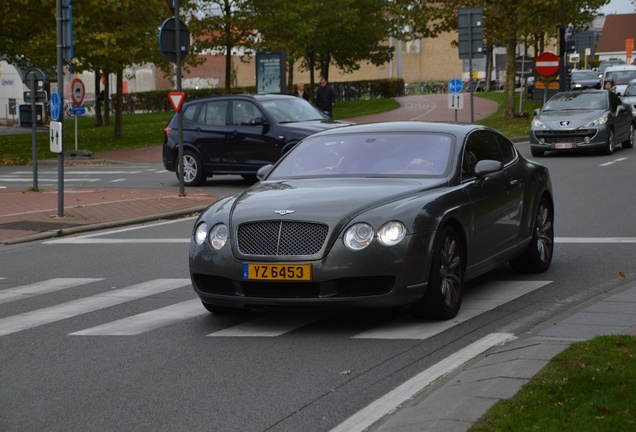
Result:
621,75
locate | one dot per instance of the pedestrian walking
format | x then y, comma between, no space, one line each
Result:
325,97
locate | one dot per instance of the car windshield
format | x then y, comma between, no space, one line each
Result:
401,154
292,109
577,101
585,75
630,90
620,77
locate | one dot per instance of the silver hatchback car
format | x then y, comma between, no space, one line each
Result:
587,120
629,97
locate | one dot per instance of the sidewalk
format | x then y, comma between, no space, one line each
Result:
27,216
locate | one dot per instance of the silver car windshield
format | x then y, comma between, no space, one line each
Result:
620,77
291,110
402,154
577,101
630,90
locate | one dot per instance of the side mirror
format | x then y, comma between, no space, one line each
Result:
264,171
537,111
486,166
257,121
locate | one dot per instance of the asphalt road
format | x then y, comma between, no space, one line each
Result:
103,331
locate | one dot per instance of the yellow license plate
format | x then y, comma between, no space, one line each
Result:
289,272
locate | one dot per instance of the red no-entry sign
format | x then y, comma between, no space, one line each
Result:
547,64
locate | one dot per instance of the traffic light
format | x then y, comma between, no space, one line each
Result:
568,77
570,46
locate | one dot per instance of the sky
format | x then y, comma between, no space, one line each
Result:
618,7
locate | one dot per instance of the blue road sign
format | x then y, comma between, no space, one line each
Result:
78,110
56,106
455,85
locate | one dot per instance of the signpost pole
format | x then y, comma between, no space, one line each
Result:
179,113
34,134
60,89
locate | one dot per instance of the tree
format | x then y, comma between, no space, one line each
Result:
219,26
344,33
507,23
111,36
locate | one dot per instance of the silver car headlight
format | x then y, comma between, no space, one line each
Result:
391,233
537,124
358,236
218,236
599,121
201,233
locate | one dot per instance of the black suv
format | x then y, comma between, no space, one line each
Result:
238,134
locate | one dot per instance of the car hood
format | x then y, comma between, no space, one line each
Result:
327,200
312,126
577,118
587,82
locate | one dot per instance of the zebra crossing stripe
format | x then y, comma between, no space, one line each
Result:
81,306
147,321
43,287
271,325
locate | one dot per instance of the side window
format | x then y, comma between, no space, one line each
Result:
190,112
480,145
243,112
214,113
508,150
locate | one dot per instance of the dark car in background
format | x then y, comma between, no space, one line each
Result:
238,134
584,79
376,215
582,120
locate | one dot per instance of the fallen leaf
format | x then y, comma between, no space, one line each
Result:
346,372
621,274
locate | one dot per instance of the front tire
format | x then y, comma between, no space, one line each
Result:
445,289
194,174
537,153
609,148
629,142
538,256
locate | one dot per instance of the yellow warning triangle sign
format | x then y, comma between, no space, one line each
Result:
176,99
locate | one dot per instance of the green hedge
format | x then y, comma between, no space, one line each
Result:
157,100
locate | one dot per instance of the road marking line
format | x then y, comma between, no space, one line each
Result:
81,306
271,325
44,287
147,321
80,240
392,400
594,240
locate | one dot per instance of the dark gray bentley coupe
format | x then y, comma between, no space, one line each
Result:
376,215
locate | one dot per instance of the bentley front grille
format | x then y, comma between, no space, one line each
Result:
281,238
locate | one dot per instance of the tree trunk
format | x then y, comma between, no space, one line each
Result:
228,68
119,133
106,99
98,100
510,77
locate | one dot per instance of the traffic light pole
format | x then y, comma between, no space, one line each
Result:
562,60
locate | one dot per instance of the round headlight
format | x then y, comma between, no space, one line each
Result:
391,233
218,236
358,236
201,233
